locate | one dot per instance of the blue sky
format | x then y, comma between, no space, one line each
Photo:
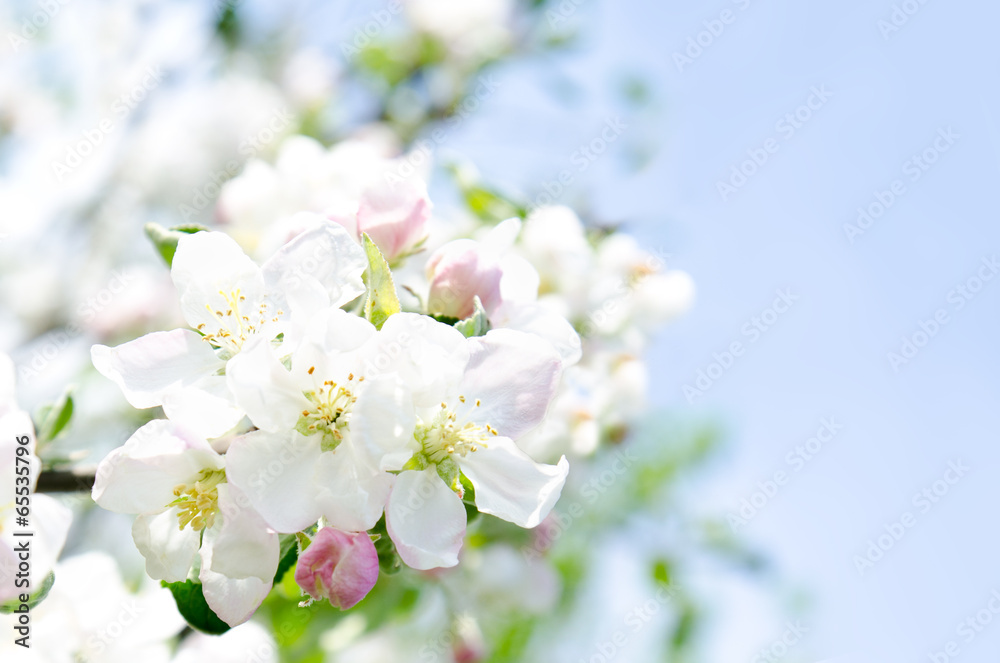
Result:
890,94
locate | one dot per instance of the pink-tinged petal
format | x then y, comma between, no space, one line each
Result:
168,549
514,376
264,388
394,216
339,566
152,365
234,600
207,268
207,408
510,485
350,492
540,321
140,476
382,423
458,272
319,269
428,356
276,472
425,519
243,546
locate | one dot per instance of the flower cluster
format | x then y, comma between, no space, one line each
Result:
303,400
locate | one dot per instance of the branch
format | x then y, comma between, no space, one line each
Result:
60,481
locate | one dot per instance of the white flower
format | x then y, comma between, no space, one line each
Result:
48,519
176,484
91,615
506,284
230,301
302,463
465,425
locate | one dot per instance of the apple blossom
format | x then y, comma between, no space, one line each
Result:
339,566
188,514
229,301
394,215
465,427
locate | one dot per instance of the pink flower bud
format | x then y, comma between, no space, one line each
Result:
339,566
394,216
459,271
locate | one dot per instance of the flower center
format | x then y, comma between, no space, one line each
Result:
235,326
330,412
444,436
199,500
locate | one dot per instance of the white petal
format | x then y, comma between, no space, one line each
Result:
277,473
429,356
425,519
264,388
319,269
520,279
51,520
207,264
244,547
8,569
351,493
207,408
140,476
152,365
382,423
540,321
233,600
168,549
510,485
514,376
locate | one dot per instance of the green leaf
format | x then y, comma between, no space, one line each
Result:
165,240
191,604
288,554
33,599
382,299
52,419
476,324
388,560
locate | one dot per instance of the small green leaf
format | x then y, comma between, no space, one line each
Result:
34,598
288,554
191,604
382,299
52,419
476,324
165,240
